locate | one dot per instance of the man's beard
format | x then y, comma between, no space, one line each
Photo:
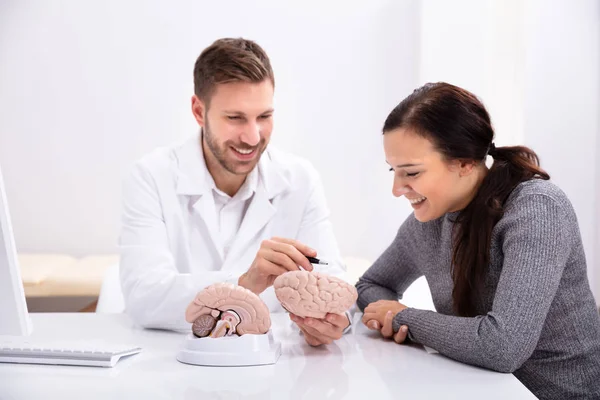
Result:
219,152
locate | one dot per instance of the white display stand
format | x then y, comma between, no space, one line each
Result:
230,351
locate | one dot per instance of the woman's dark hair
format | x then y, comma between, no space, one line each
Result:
459,127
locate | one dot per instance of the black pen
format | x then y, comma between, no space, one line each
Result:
314,260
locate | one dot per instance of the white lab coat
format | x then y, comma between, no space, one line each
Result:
168,209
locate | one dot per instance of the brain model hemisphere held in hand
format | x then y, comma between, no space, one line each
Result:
225,309
313,294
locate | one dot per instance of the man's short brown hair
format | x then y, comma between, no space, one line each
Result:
230,60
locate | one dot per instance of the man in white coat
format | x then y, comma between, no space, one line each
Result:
223,206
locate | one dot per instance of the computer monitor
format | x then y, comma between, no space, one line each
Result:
14,316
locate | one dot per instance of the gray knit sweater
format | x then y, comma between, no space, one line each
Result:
537,317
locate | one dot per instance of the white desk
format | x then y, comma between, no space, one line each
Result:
359,366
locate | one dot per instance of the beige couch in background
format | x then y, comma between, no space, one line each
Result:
62,283
59,282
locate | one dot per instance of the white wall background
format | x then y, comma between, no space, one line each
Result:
562,107
88,87
536,66
480,48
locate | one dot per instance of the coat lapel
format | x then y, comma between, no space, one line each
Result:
205,209
194,181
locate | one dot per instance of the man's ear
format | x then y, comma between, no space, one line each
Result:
199,110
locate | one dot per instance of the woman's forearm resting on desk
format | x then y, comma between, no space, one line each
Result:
533,255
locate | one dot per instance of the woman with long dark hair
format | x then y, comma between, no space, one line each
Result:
500,248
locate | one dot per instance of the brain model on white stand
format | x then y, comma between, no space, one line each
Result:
225,309
314,294
230,327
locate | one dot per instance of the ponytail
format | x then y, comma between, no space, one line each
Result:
474,224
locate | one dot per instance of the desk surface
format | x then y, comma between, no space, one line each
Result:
359,366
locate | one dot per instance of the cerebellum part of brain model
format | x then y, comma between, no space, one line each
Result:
225,309
314,294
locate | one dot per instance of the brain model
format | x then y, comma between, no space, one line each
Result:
313,294
225,309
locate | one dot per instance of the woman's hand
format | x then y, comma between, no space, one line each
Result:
380,315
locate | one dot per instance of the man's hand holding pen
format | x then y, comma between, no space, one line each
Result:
275,257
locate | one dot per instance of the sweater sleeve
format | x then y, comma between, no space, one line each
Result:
536,247
393,272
